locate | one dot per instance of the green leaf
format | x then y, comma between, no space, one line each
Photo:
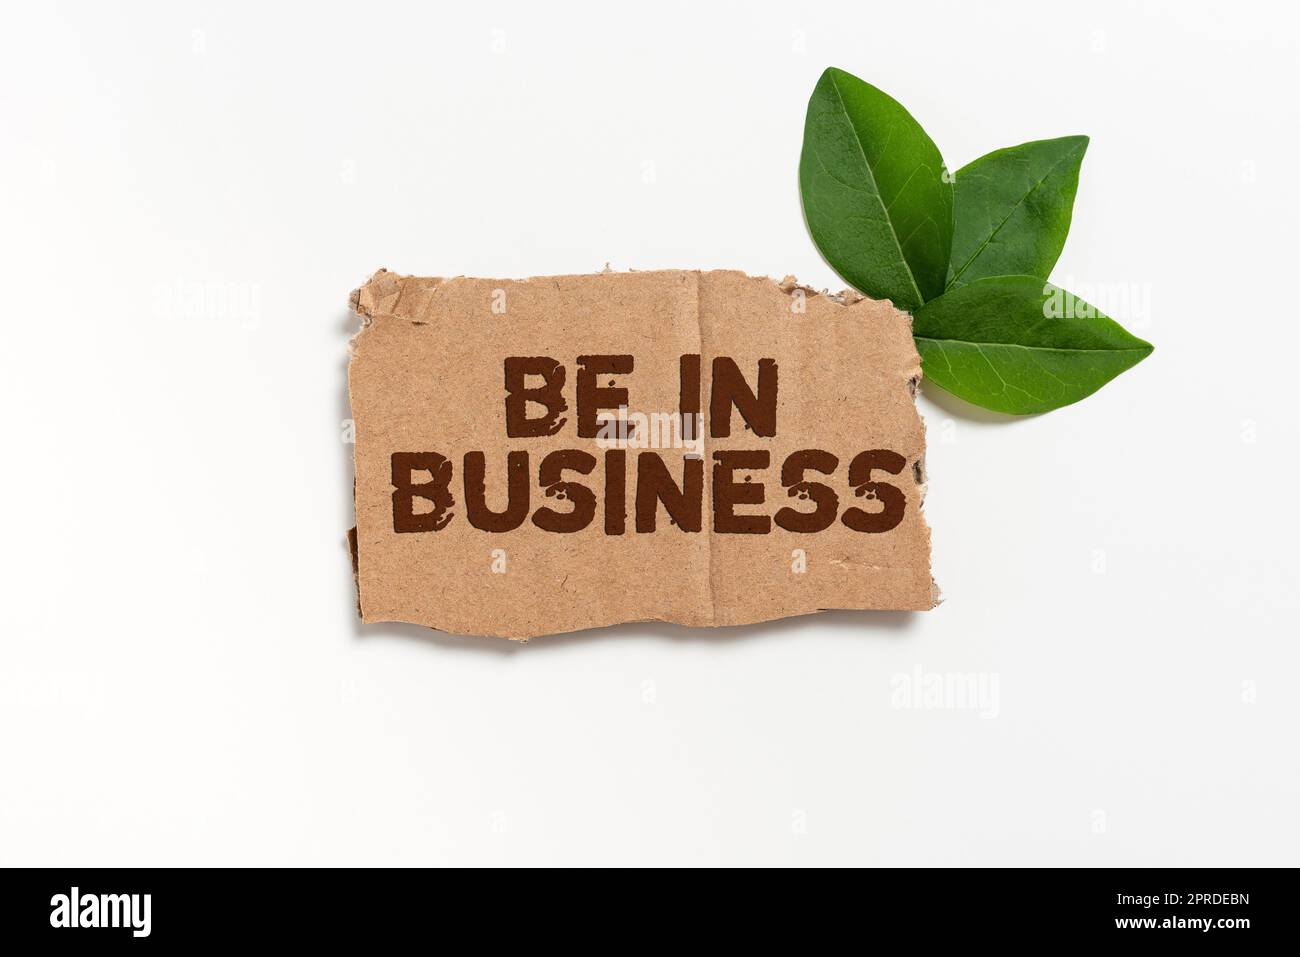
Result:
1012,209
874,192
1016,344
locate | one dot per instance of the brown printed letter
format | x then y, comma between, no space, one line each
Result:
823,496
727,494
891,498
655,485
615,492
476,508
592,397
583,498
437,491
550,394
730,388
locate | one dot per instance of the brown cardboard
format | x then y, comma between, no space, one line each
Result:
429,375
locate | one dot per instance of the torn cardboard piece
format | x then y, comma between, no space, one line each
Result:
558,453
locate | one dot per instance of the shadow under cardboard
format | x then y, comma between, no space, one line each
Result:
885,624
889,624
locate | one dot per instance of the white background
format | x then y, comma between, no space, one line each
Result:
189,193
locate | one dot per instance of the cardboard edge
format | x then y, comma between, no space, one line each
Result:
380,295
919,472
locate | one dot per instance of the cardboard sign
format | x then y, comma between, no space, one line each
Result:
566,452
